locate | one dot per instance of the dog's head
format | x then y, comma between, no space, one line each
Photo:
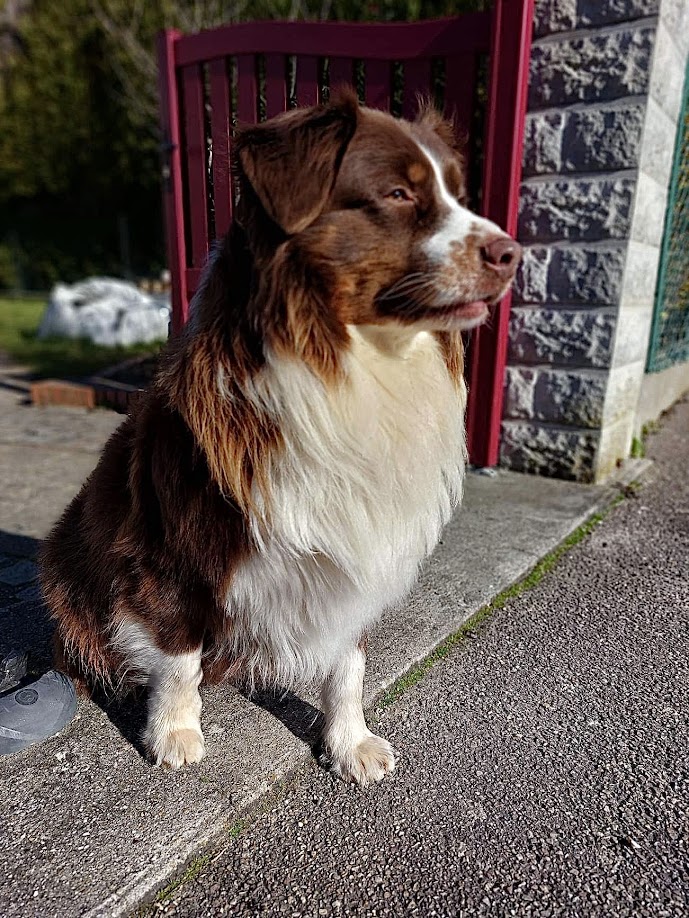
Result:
369,212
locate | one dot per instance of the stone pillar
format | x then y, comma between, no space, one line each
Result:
604,97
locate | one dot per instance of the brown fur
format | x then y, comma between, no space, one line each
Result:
155,533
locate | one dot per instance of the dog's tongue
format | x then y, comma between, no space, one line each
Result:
472,310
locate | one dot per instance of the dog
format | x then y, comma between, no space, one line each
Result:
302,443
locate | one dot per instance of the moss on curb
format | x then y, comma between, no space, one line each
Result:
192,870
414,675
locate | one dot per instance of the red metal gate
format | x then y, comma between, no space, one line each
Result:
238,73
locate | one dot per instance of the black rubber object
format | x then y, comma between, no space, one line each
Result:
33,711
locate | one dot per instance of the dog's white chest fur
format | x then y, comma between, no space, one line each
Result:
357,499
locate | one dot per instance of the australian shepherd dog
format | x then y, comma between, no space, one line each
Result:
302,444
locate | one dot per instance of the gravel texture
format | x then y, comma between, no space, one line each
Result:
544,765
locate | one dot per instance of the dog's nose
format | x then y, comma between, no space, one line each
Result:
502,255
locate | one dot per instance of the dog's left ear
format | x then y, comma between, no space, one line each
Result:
292,161
445,129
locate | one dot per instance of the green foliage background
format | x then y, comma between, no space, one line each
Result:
78,156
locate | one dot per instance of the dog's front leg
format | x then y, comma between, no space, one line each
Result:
349,748
173,734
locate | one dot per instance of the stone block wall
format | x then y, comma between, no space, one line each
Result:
604,96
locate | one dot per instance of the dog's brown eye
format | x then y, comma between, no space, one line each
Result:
399,194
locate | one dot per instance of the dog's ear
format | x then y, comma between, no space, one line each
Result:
291,162
430,117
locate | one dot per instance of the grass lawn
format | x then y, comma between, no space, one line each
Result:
58,357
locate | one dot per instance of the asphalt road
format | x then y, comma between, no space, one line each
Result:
543,766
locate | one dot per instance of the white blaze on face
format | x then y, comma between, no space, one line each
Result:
458,223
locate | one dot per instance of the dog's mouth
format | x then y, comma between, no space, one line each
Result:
475,310
449,314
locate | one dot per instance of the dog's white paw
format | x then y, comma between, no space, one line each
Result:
367,762
177,748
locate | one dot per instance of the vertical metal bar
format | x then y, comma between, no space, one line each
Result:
220,134
307,80
195,137
276,89
417,83
460,92
378,80
173,197
509,75
341,71
247,89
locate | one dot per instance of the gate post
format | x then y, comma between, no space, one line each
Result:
173,201
508,84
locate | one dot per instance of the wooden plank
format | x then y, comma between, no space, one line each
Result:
247,89
276,90
341,71
221,123
393,41
377,83
460,92
173,196
307,80
417,82
195,154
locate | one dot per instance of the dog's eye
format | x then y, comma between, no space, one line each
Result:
399,194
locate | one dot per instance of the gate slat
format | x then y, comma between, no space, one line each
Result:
378,78
341,71
195,137
276,90
220,135
173,185
460,92
307,80
417,81
247,89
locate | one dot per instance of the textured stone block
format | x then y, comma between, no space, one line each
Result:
591,68
591,276
531,283
561,337
675,17
613,448
543,143
659,143
603,139
622,393
551,451
640,273
667,79
605,12
575,209
649,211
633,333
570,275
572,397
554,16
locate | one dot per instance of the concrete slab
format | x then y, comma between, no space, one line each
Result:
90,827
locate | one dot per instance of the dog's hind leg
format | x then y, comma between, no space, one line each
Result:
350,749
173,734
